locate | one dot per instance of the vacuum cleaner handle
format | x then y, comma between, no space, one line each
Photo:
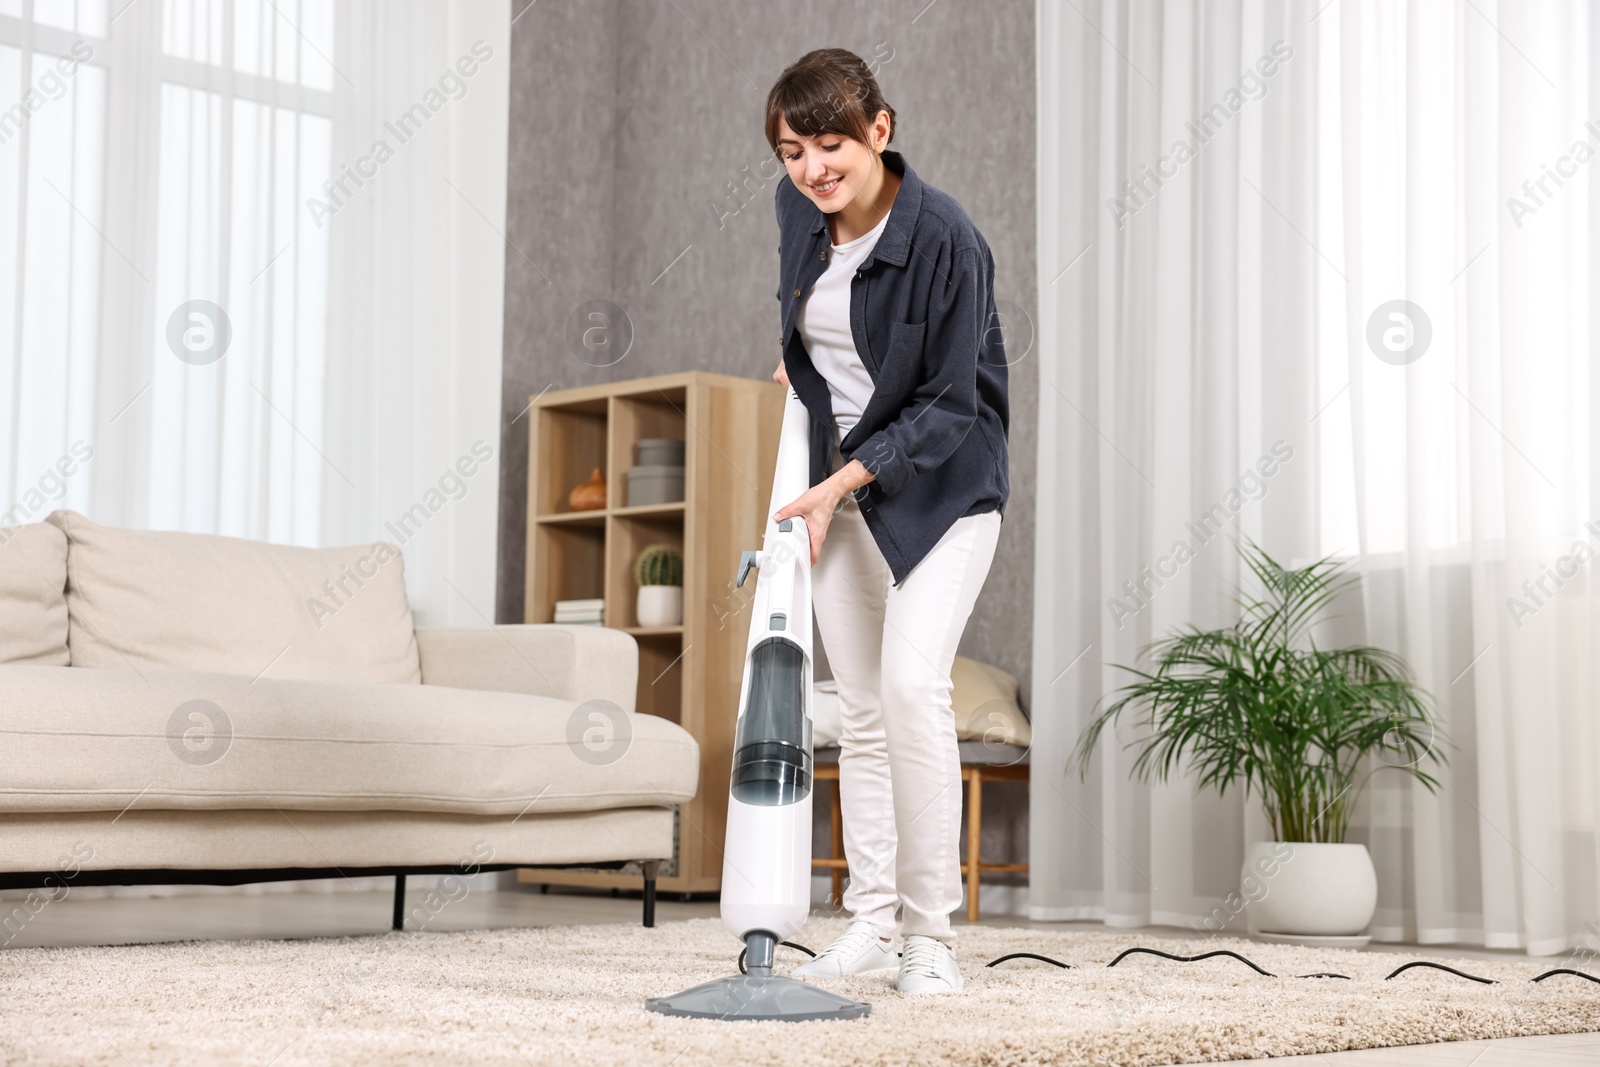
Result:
782,574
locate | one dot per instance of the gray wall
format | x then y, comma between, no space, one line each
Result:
637,166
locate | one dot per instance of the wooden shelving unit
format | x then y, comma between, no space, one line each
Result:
689,673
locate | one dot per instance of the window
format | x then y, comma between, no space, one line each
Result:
205,211
52,134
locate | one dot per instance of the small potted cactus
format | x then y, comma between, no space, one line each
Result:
659,572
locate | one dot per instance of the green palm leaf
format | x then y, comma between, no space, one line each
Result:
1259,706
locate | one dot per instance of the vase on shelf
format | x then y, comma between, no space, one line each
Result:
589,495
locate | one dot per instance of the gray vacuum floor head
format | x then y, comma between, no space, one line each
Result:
747,996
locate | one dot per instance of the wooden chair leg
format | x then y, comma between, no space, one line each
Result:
974,838
837,846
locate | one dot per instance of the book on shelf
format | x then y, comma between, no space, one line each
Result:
584,614
585,610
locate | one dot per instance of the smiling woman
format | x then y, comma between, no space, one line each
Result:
885,287
886,297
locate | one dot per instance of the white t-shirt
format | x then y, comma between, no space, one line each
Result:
824,325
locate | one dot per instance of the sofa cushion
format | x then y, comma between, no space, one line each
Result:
33,602
84,739
155,600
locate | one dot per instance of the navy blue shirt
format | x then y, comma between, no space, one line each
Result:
933,434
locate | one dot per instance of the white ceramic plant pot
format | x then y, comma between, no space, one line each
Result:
660,605
1300,888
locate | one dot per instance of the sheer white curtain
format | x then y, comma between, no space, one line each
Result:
252,273
1220,356
252,263
416,217
54,69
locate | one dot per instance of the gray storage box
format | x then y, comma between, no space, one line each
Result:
654,484
659,452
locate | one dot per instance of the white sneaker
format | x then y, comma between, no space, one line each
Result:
858,951
928,966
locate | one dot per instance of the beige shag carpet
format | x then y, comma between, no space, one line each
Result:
571,995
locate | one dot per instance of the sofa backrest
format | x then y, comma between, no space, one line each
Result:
155,600
33,602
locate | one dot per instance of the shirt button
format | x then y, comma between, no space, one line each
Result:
797,292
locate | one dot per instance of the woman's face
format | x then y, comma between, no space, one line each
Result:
830,168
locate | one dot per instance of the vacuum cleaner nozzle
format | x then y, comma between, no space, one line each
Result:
759,994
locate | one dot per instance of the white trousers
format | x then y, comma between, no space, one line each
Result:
891,650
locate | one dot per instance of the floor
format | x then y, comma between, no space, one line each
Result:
130,920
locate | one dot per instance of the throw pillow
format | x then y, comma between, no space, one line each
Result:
156,600
33,601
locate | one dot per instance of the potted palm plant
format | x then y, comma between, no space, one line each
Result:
1302,728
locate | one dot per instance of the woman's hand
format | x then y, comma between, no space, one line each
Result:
780,375
816,505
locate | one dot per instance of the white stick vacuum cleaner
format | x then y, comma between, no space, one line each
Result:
766,859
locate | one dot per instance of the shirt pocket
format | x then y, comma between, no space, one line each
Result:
901,370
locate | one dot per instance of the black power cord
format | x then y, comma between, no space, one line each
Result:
1190,959
1234,955
1028,956
1438,967
1319,974
1565,970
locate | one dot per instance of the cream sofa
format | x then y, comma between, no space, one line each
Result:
185,707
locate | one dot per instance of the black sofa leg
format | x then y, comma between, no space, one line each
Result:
399,902
650,891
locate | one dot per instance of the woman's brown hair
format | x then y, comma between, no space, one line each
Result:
829,90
